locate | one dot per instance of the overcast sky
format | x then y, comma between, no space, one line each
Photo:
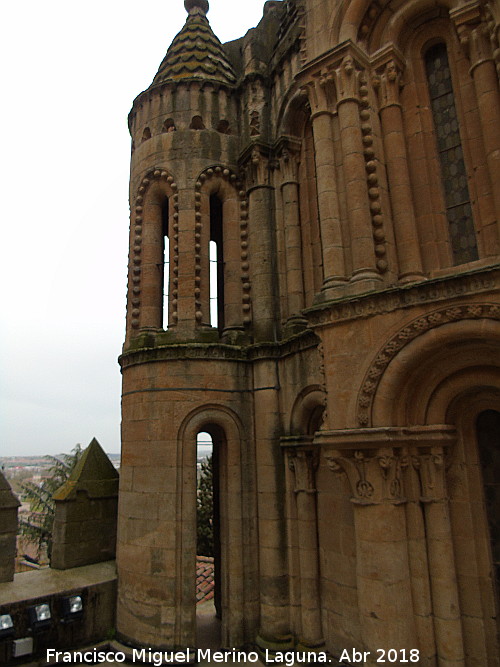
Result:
70,72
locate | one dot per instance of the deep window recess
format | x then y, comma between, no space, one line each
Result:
216,264
488,436
166,262
449,145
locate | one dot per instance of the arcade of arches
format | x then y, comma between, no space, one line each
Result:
343,158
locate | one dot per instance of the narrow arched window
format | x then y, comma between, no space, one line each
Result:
451,159
166,263
216,263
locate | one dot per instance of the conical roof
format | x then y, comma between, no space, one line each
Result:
196,53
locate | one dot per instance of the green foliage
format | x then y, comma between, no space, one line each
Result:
37,527
204,510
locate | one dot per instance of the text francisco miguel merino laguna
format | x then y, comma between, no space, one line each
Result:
158,658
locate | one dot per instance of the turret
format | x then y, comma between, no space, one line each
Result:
183,210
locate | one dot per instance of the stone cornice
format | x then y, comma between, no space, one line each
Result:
218,351
404,296
352,439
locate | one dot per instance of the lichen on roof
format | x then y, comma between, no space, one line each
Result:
196,53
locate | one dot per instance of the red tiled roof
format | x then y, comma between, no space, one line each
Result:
204,578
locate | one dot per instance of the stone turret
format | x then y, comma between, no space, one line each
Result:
189,109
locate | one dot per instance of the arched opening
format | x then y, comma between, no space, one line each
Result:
197,123
451,160
208,566
216,251
166,262
488,438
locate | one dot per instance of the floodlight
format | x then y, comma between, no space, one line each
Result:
40,616
6,626
72,608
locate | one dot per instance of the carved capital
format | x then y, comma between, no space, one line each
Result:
347,80
473,32
287,151
304,464
256,164
389,84
320,93
374,476
430,465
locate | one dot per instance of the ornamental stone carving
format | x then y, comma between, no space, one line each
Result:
347,80
374,476
304,464
405,335
430,464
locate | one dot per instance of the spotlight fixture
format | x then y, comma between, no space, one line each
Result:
39,616
6,626
72,608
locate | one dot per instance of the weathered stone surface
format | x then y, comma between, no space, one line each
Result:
356,218
86,510
8,529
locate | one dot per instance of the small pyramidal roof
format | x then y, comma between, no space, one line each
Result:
94,473
195,53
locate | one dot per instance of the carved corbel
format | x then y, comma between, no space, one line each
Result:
430,465
374,476
304,463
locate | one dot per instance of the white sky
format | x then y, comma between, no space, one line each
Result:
70,72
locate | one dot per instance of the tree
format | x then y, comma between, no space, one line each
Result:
37,527
204,510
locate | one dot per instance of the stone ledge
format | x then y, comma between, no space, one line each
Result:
47,582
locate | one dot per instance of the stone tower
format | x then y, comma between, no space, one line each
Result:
338,167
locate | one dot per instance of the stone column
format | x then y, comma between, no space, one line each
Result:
446,606
475,39
304,463
419,569
274,632
8,530
262,245
293,239
405,229
358,206
383,573
326,180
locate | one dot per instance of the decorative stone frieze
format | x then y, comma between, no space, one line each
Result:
401,297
